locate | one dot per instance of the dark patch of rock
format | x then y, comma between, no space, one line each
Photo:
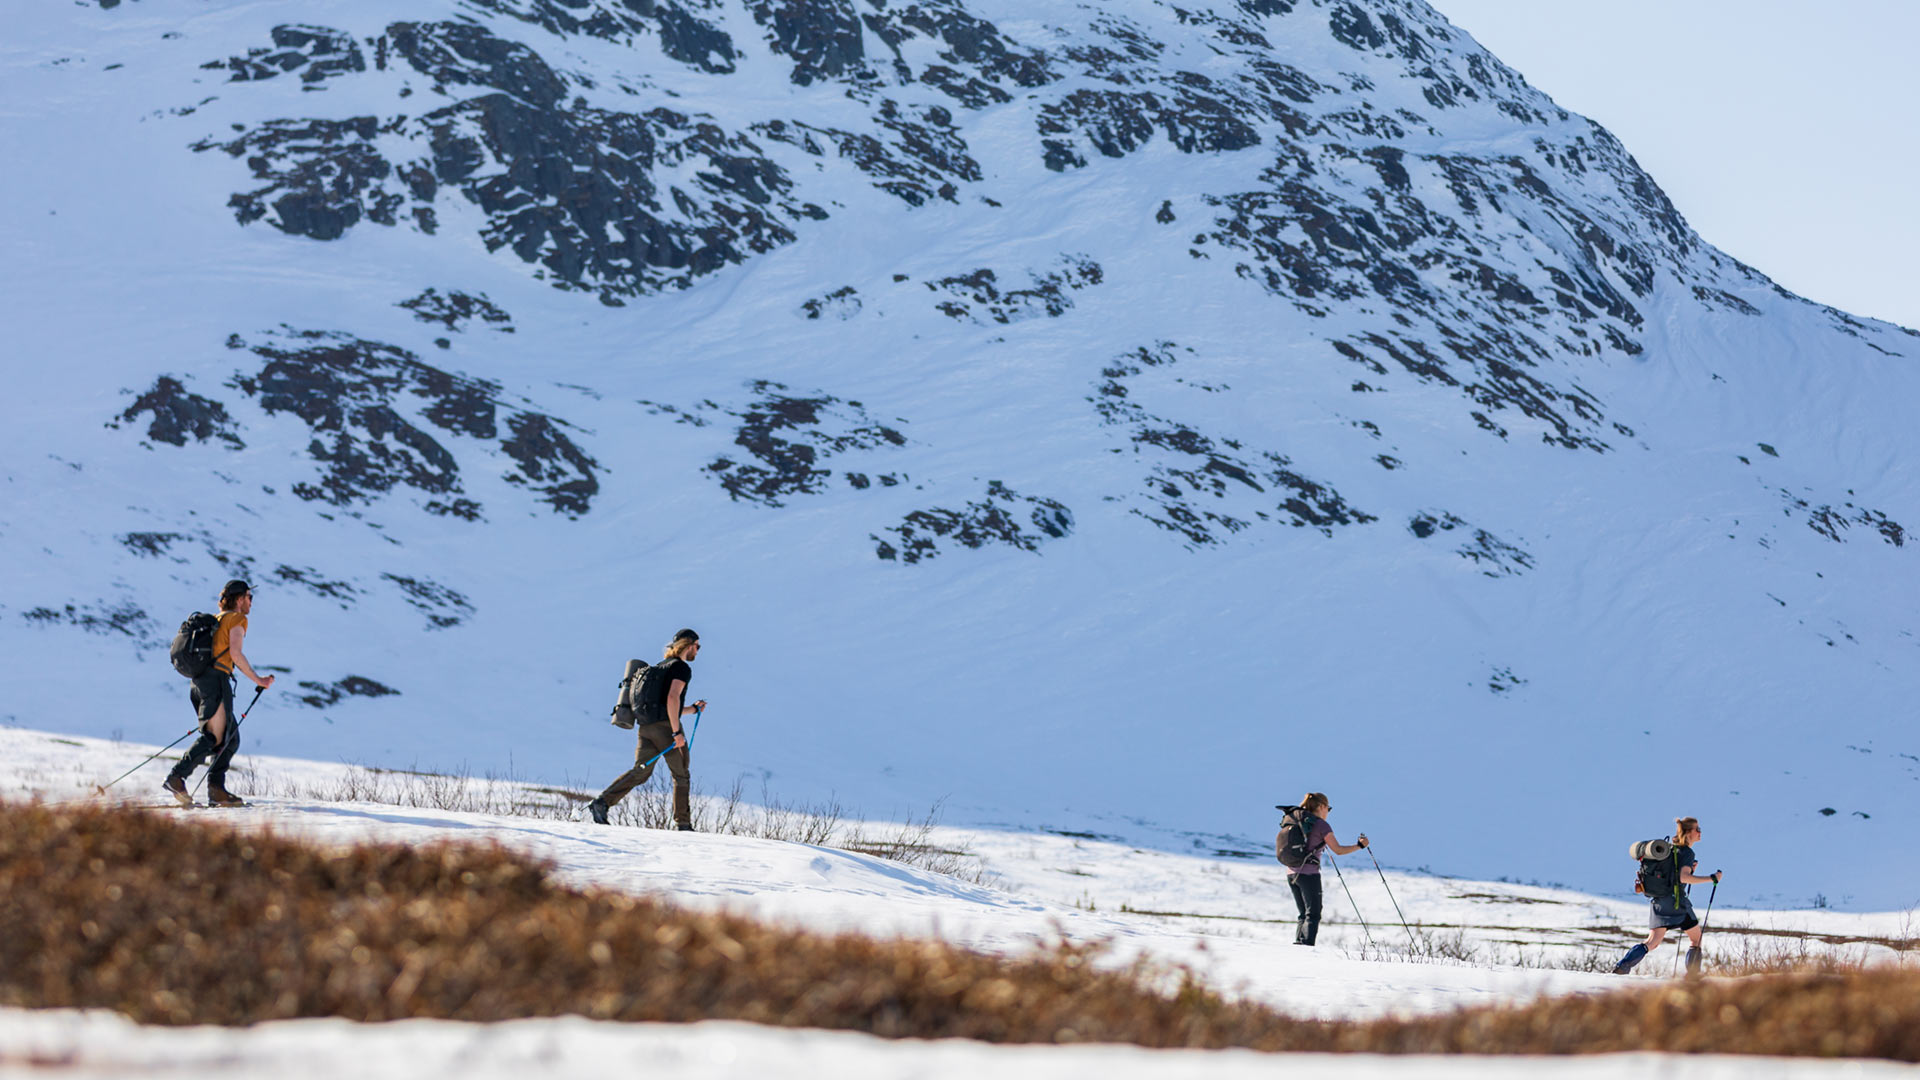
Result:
150,545
320,695
1002,516
178,415
788,439
822,36
123,619
352,393
841,304
456,309
1204,489
977,296
341,592
442,606
316,52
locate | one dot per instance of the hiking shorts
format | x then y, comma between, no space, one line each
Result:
1672,914
212,689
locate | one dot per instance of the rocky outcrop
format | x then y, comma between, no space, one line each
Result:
1204,488
374,409
786,440
177,415
1001,516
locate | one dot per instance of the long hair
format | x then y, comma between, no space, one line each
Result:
231,594
1682,826
678,648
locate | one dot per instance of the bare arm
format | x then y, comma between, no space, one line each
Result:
1337,848
675,692
234,639
1689,877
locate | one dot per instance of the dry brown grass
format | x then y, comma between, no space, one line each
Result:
175,922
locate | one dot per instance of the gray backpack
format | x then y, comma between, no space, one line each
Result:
623,709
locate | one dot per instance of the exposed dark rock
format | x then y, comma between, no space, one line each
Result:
351,393
570,188
788,439
314,51
310,579
1205,489
179,415
1504,681
321,695
1835,522
922,161
1494,556
842,304
442,606
467,54
456,309
683,36
150,545
979,61
1194,114
1003,516
550,463
977,295
123,618
822,36
1313,244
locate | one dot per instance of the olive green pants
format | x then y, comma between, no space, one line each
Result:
653,739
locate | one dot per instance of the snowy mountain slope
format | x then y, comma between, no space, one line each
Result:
1114,417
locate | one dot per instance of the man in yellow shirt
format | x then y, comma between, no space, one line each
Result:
213,702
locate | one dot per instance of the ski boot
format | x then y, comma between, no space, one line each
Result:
598,811
177,787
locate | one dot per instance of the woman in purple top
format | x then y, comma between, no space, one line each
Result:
1305,880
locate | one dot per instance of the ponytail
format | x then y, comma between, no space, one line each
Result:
1682,827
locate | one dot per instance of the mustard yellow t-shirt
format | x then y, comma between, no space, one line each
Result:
222,653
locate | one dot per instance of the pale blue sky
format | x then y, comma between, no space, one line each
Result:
1787,133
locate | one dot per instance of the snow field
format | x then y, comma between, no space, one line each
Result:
1231,920
89,1045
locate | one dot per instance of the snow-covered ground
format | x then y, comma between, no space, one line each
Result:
1230,919
82,1046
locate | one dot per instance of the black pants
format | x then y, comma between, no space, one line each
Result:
1306,897
210,691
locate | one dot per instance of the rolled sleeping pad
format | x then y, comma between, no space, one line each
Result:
1655,849
623,712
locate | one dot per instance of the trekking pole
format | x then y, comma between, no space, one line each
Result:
101,789
1396,903
257,691
1711,893
1350,899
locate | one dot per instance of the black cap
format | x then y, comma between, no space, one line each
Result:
685,635
235,587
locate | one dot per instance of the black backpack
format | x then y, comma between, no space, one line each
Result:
1290,846
625,706
1659,873
192,651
